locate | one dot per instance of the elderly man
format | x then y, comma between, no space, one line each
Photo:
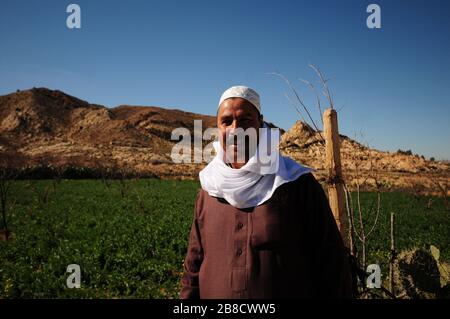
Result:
260,230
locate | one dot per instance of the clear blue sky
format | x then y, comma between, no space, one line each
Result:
393,82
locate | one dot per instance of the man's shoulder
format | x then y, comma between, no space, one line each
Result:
305,185
204,198
307,179
202,194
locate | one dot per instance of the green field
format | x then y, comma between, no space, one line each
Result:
130,239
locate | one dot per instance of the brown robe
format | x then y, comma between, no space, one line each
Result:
287,247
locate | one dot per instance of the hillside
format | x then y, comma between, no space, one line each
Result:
51,127
397,170
42,127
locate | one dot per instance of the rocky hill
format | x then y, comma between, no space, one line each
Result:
48,127
401,170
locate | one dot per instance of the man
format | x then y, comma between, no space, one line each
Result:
260,230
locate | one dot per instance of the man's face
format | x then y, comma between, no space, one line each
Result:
237,113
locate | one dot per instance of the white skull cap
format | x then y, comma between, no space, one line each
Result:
243,92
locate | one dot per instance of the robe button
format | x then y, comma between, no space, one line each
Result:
239,252
240,225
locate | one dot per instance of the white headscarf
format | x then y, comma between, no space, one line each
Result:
248,186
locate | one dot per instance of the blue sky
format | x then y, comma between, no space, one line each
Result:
393,82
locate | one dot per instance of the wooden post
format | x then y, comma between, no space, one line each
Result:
336,195
393,256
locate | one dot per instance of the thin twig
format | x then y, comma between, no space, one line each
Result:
299,100
295,107
376,216
324,84
313,88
